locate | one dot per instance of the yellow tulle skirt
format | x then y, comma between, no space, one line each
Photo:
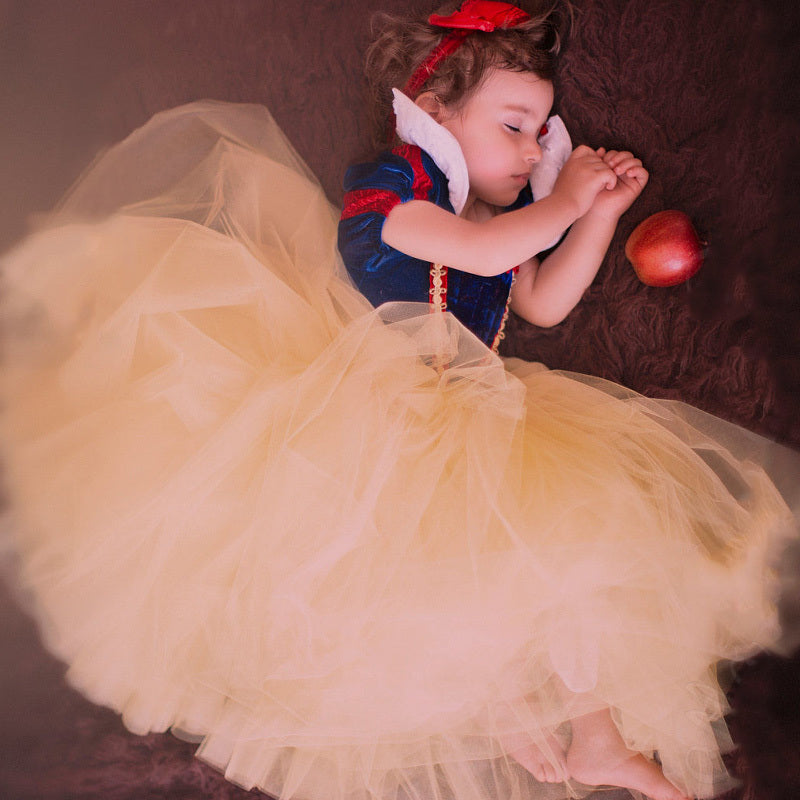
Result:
350,550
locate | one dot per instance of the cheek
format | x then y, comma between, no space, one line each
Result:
477,154
493,158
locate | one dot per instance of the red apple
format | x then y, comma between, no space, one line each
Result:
665,249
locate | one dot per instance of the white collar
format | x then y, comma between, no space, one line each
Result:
415,126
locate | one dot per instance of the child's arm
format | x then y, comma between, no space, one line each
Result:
491,247
544,294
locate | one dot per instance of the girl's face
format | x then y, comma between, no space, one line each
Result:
498,129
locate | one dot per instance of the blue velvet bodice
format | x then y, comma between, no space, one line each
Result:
384,274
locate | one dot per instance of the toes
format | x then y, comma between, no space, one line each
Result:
551,773
546,765
538,772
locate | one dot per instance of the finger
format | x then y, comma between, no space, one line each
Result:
610,156
623,165
603,172
601,151
621,158
610,178
621,154
639,174
635,179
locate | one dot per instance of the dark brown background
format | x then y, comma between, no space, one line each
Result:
705,92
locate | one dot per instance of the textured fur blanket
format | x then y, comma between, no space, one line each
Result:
704,91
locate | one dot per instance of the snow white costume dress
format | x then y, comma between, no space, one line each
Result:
348,548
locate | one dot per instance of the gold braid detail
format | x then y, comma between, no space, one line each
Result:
501,331
438,287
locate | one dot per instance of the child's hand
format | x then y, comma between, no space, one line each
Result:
631,179
584,176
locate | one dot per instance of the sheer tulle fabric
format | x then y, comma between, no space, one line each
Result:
350,550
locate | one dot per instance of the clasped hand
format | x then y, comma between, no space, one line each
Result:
601,182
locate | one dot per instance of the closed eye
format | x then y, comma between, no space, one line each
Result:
512,128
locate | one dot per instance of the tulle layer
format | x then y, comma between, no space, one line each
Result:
350,550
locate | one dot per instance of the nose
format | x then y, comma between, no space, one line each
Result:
533,151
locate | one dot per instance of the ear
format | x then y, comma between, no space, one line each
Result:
431,105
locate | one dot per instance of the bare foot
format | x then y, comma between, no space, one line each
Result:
548,764
598,756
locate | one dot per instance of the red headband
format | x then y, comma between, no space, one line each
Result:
474,15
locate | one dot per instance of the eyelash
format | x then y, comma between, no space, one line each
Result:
542,130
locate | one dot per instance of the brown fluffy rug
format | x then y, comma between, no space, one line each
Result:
705,91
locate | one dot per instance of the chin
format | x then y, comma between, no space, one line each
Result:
502,199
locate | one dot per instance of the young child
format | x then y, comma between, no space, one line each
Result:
494,94
346,548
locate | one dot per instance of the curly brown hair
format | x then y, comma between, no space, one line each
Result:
401,45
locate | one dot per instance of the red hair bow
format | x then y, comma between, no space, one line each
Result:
474,15
481,15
